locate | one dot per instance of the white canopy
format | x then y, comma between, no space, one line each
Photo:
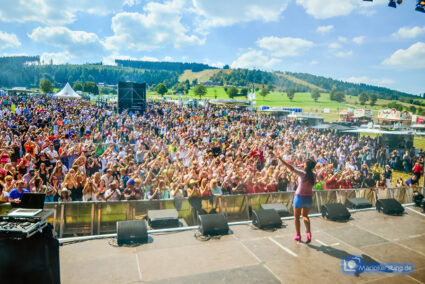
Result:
67,93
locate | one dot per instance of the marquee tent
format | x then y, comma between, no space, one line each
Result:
67,93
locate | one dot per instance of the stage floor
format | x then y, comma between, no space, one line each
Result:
248,255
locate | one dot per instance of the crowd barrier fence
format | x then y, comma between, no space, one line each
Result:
96,218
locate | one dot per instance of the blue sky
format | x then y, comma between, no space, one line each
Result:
351,40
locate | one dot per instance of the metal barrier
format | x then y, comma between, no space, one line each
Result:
95,218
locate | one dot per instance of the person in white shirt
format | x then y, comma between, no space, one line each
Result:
51,153
108,178
113,194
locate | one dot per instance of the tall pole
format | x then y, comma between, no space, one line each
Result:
423,166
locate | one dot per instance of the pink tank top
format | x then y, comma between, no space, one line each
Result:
305,187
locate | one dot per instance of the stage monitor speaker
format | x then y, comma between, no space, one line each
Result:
417,198
389,206
281,209
32,260
266,219
213,224
132,232
131,96
335,212
160,219
357,203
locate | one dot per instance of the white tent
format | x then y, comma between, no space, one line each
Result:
67,93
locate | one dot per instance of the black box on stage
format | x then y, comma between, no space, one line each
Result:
161,219
335,212
31,260
131,96
132,232
213,224
281,209
266,219
389,206
357,203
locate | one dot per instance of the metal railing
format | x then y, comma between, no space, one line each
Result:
95,218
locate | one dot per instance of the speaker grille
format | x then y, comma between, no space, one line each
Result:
131,96
213,225
134,231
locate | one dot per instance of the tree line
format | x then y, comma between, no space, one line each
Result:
350,88
16,73
26,71
245,78
169,66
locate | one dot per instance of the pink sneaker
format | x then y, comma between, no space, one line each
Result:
297,238
308,239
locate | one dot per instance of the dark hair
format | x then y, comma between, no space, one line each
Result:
309,166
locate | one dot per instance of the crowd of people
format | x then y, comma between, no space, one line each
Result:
73,150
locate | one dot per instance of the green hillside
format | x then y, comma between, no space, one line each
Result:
28,71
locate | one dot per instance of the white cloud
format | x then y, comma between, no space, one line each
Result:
218,64
131,3
342,39
320,9
314,62
406,32
358,40
8,40
225,13
370,81
168,59
254,59
110,59
56,12
56,57
159,26
325,29
411,58
335,45
286,46
149,58
78,43
344,53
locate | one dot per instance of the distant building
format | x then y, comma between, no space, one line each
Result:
210,83
18,91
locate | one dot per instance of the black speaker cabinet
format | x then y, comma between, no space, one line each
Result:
418,198
132,232
335,212
131,96
266,219
281,209
213,224
32,260
389,206
167,218
357,203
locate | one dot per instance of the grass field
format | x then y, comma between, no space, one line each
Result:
302,100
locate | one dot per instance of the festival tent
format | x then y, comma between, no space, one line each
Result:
67,93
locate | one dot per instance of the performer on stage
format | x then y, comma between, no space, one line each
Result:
303,196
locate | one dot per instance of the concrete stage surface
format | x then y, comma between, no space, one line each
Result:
248,255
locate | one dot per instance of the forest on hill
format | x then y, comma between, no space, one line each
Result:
350,88
18,73
168,66
26,71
